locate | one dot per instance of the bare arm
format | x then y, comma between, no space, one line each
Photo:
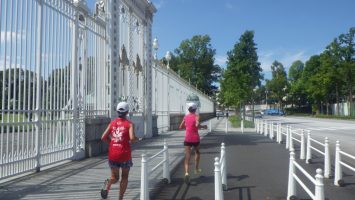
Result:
182,124
105,135
132,136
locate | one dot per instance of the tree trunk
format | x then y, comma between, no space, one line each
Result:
337,99
351,100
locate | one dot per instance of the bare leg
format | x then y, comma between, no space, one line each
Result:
197,157
124,182
115,175
187,158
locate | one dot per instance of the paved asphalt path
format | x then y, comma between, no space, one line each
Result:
257,169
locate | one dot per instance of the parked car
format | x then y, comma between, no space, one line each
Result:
219,114
258,114
274,112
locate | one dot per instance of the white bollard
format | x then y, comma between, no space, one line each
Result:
210,125
287,137
242,126
291,189
303,152
226,129
271,130
265,133
338,174
262,127
291,139
224,167
326,158
309,153
319,186
280,133
144,179
218,194
166,171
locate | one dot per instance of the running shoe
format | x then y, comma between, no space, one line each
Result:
104,191
198,171
187,178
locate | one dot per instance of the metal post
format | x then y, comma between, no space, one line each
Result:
224,167
210,125
218,194
226,128
242,126
144,179
291,189
166,171
319,186
38,84
326,158
338,174
309,153
303,152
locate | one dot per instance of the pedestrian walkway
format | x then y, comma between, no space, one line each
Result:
257,169
84,179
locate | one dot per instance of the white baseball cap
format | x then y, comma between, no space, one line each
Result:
192,105
122,107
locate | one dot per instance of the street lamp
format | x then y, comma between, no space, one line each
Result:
155,47
266,92
168,58
254,91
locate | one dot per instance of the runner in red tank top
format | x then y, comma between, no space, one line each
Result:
192,139
119,134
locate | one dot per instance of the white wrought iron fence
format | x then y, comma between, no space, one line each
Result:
51,59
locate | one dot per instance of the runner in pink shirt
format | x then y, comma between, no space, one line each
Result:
192,139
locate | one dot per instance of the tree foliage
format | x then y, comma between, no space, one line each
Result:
243,72
194,61
278,84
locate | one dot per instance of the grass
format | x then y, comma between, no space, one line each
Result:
236,121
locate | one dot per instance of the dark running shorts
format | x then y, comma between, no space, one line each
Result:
190,144
126,164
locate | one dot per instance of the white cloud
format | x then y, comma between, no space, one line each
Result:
159,4
285,57
221,60
228,5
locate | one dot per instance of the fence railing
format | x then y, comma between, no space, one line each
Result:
220,174
292,178
338,176
325,153
146,170
301,141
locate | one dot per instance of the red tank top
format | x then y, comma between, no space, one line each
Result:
120,148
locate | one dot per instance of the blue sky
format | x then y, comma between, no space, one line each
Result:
285,30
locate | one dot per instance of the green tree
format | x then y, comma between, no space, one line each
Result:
347,52
316,82
243,72
194,61
278,84
297,93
